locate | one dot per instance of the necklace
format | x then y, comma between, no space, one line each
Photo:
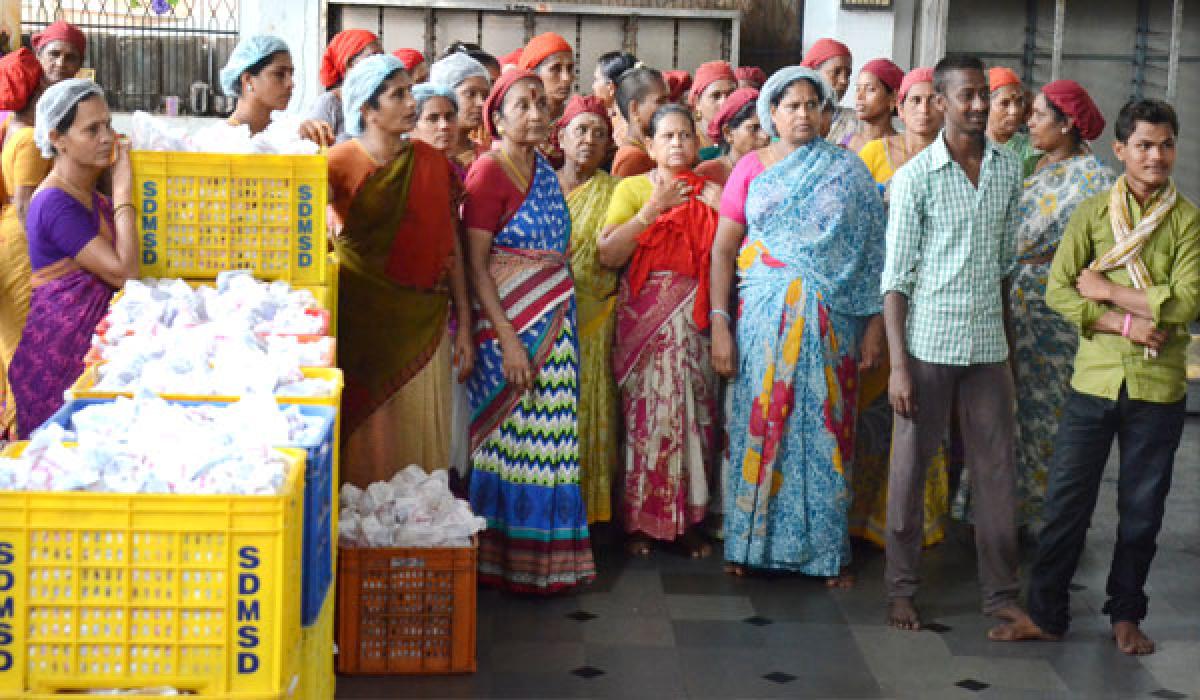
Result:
904,153
74,190
520,177
1047,160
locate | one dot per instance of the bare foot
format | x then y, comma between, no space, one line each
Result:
735,569
639,546
694,544
903,615
1131,640
1019,628
1012,613
843,581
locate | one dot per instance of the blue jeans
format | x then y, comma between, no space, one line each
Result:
1147,434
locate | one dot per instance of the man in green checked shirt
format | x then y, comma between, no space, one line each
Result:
1127,272
951,241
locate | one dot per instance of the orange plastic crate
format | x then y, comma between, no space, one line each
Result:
406,610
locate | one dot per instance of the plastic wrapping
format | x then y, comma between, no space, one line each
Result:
146,445
165,337
413,509
281,137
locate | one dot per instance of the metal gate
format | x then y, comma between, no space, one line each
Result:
1117,49
662,37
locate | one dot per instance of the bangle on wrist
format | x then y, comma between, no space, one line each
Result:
721,312
1128,323
121,206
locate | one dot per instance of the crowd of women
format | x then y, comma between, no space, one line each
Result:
657,304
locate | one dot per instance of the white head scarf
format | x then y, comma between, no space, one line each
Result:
779,82
361,82
248,52
54,104
452,70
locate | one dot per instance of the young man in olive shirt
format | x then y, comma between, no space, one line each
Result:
1132,307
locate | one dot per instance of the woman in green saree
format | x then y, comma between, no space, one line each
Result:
395,200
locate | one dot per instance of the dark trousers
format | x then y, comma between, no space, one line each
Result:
984,395
1147,435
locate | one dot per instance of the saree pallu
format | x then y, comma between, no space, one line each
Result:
393,313
525,449
663,367
63,312
809,275
595,295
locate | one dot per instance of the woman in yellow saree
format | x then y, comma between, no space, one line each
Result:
23,168
398,247
584,137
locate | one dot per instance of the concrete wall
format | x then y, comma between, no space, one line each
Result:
300,23
869,34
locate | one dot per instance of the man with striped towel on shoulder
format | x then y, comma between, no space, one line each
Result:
1127,272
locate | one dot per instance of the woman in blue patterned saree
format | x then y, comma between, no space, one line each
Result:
524,389
810,225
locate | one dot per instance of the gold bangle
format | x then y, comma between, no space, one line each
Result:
122,206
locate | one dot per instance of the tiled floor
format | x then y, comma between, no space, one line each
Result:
672,628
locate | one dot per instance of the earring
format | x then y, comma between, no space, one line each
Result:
1065,130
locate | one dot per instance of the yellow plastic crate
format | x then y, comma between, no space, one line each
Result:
202,213
82,389
317,681
135,591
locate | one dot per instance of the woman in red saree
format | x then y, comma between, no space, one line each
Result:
660,228
80,246
398,247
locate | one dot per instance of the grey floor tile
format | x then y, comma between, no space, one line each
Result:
670,627
1098,668
478,685
551,657
705,635
709,607
647,631
810,603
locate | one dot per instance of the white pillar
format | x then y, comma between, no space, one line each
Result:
1173,55
934,18
869,33
1056,53
301,24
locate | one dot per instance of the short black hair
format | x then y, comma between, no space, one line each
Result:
951,64
634,84
1144,110
614,63
474,51
665,111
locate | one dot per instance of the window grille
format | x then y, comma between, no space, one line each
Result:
145,50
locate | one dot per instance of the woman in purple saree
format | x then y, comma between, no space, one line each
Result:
81,246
